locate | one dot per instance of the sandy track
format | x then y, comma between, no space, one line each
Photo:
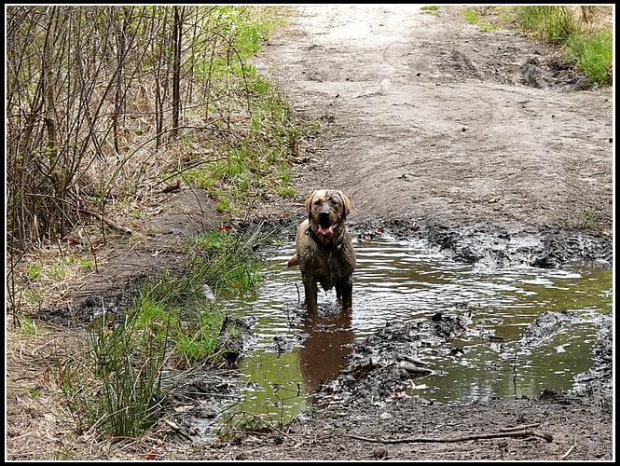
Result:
430,119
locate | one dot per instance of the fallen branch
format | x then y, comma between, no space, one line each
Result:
108,222
523,433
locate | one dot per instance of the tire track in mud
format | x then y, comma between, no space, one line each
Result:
432,121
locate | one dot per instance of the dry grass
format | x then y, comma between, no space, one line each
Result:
39,425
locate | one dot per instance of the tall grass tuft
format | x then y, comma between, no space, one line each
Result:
593,54
591,50
550,22
114,386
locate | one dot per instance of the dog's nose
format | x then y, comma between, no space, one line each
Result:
324,215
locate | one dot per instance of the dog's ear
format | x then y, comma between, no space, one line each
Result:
309,204
346,202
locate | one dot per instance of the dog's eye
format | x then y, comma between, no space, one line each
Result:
317,202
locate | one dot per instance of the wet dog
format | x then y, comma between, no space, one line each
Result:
325,251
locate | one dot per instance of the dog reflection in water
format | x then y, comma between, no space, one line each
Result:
324,352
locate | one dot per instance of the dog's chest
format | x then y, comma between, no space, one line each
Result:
328,266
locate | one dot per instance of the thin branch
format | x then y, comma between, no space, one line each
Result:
108,222
521,434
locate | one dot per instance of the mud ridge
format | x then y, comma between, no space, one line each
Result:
597,382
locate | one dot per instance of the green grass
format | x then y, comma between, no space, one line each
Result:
471,17
429,10
246,166
593,54
34,271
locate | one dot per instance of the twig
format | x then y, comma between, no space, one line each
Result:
568,452
107,221
524,433
513,429
178,429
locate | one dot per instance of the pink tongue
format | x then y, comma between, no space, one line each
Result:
326,231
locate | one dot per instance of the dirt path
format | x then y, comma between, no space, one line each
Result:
430,119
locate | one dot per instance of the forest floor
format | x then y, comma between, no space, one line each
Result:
431,126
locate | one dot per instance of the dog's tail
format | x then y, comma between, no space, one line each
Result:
293,261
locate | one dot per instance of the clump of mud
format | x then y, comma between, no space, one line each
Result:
544,329
555,73
385,364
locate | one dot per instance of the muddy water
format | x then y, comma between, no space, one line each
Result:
398,281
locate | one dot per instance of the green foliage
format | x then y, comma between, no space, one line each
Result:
593,53
248,164
472,17
34,271
429,10
29,326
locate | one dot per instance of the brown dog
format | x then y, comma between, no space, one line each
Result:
325,251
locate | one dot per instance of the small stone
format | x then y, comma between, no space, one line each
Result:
380,453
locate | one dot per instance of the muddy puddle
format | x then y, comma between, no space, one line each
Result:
506,349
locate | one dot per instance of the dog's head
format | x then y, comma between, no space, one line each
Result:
327,211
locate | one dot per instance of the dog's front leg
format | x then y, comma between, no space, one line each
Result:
346,289
311,291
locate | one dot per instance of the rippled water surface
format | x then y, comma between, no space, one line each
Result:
399,281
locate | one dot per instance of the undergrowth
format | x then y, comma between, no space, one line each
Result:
116,385
560,25
256,162
591,50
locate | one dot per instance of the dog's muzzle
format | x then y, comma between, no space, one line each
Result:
326,228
